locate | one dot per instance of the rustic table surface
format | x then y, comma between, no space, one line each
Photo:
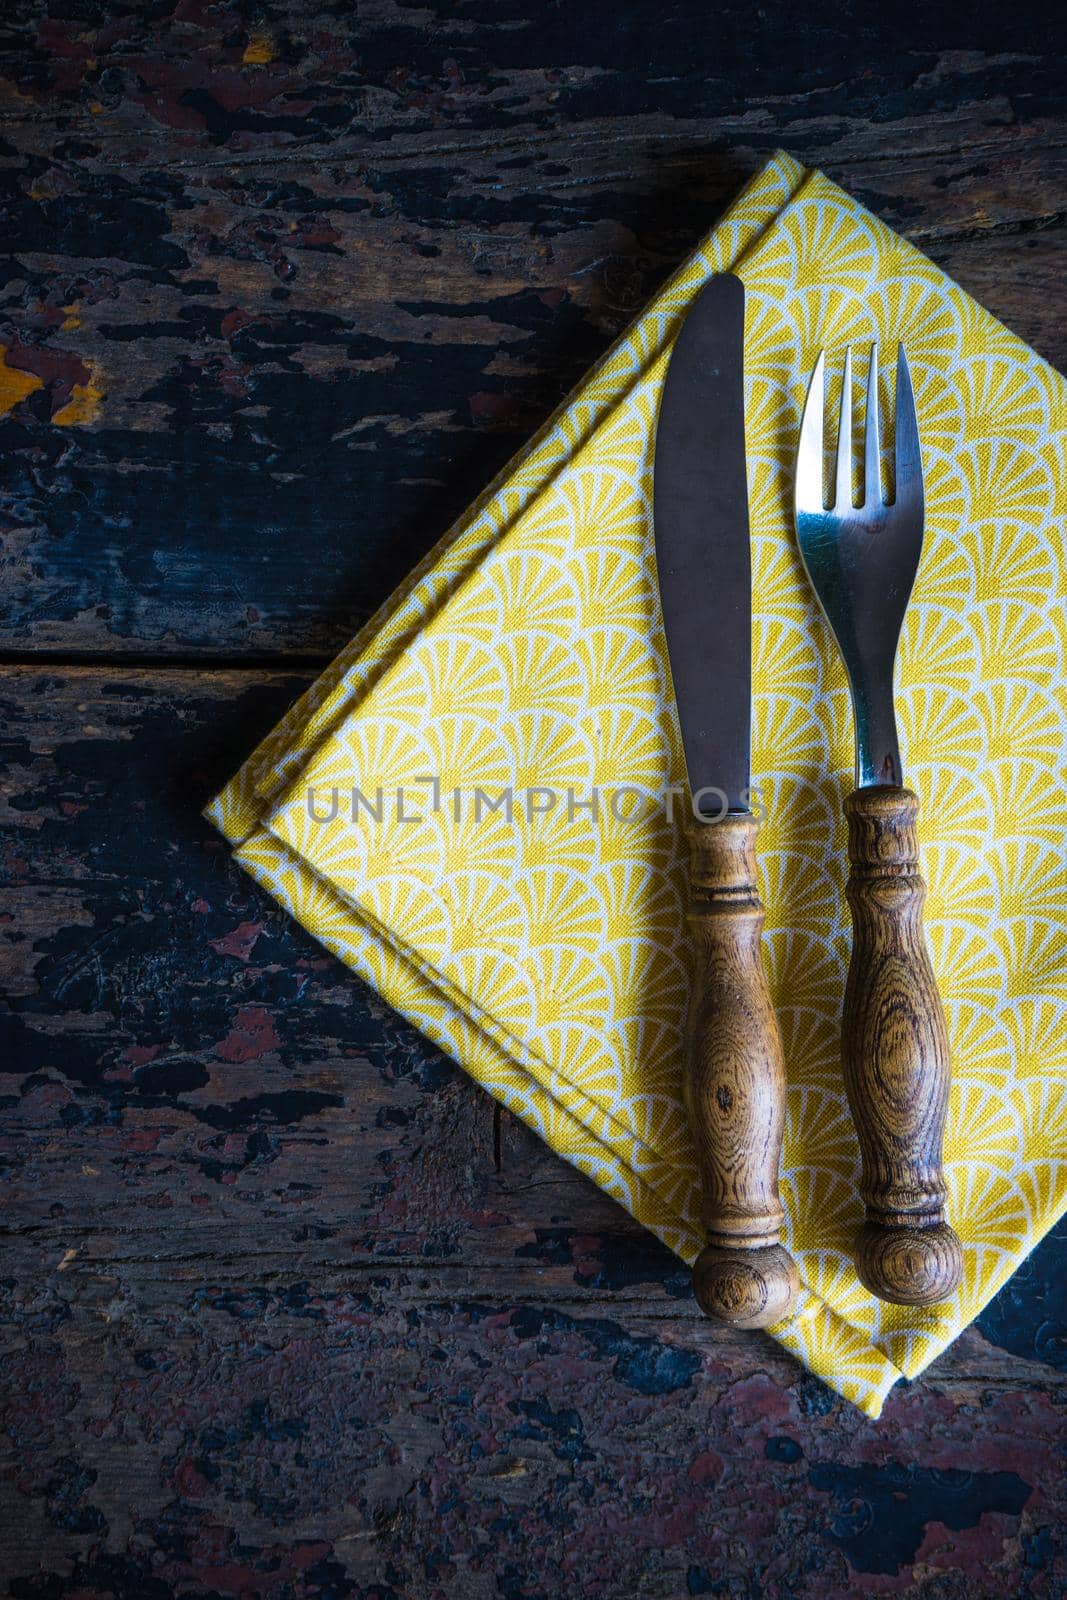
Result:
291,1309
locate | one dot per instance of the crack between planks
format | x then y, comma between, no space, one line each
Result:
211,661
1043,222
715,131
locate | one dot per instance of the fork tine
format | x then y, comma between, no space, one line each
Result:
843,491
872,438
908,470
808,490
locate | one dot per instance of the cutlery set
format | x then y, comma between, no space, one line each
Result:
861,560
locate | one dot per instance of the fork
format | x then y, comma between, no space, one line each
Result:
861,560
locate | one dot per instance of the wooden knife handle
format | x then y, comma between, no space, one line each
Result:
894,1050
735,1085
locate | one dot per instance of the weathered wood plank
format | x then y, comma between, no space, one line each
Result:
307,1441
283,296
261,494
291,78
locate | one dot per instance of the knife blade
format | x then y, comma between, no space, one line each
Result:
734,1075
700,515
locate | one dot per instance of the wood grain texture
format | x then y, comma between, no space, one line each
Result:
735,1085
288,1307
287,290
895,1055
289,1310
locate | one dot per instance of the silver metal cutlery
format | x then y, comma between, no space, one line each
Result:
862,559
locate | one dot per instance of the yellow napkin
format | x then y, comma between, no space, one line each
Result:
547,952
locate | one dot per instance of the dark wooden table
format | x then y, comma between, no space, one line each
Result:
290,1308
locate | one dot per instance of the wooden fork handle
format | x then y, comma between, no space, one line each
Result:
894,1051
735,1085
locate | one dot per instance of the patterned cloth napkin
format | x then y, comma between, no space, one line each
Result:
546,950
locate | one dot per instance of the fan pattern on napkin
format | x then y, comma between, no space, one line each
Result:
547,951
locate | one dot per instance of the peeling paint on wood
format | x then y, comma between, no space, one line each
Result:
289,1309
328,275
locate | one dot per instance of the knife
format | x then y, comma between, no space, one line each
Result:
734,1079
